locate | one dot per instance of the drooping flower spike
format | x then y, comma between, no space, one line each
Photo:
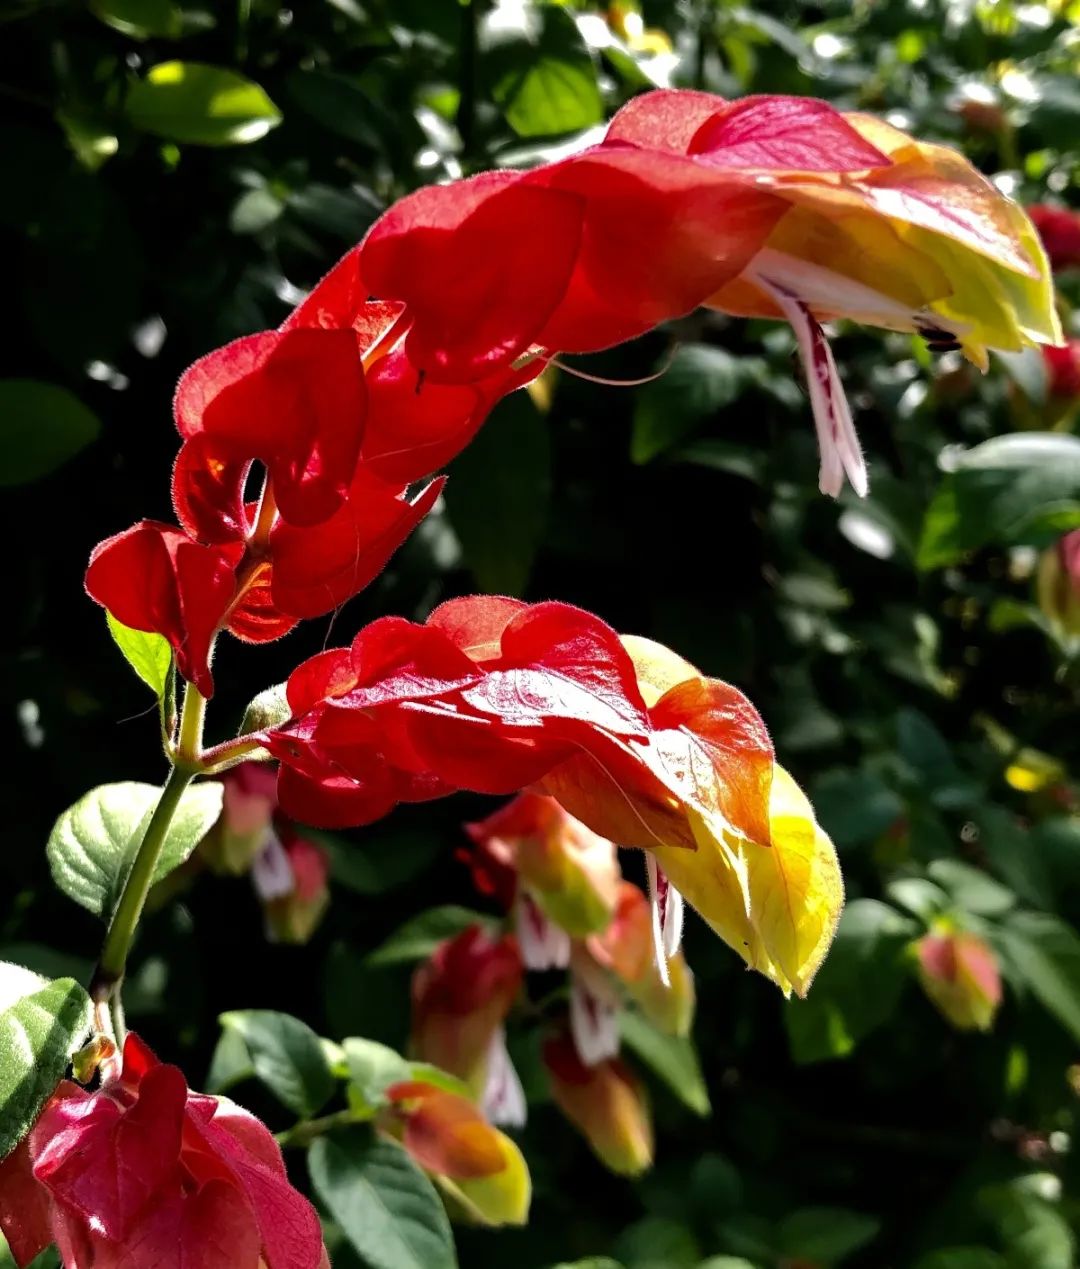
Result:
494,695
767,206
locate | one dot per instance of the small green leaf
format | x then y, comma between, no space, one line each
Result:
1034,1230
540,72
198,104
389,1211
672,1058
962,1258
149,655
386,857
498,493
41,1026
230,1064
287,1056
93,843
1045,952
41,427
825,1235
419,937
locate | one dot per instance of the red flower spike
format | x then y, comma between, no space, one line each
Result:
153,577
295,400
316,569
144,1172
477,280
800,133
459,1000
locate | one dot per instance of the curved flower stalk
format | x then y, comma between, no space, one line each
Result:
767,206
492,695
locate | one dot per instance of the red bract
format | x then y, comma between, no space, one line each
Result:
145,1172
1063,370
493,694
339,451
460,998
1059,229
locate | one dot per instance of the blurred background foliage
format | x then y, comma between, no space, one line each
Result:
176,175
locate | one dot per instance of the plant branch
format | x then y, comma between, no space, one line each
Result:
305,1132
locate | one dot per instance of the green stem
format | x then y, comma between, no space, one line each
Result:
114,951
305,1132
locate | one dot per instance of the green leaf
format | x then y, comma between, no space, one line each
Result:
498,493
839,1012
699,381
286,1056
1007,848
149,655
41,1026
1034,1231
420,936
389,1211
855,807
198,104
672,1058
93,843
540,71
962,1258
373,1067
338,104
1009,490
590,1262
655,1241
41,427
971,889
230,1064
141,19
726,1262
1045,952
825,1235
386,857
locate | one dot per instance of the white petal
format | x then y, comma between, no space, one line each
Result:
594,1024
659,953
839,445
543,944
271,872
674,912
503,1101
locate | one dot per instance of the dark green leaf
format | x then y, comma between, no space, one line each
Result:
141,19
962,1258
287,1056
673,1059
497,495
839,1012
1006,491
92,845
825,1235
1045,952
388,1210
699,381
198,104
41,427
855,806
41,1025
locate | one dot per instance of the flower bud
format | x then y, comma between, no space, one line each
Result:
606,1103
294,909
571,873
1057,583
959,973
459,1000
1059,229
481,1169
247,815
